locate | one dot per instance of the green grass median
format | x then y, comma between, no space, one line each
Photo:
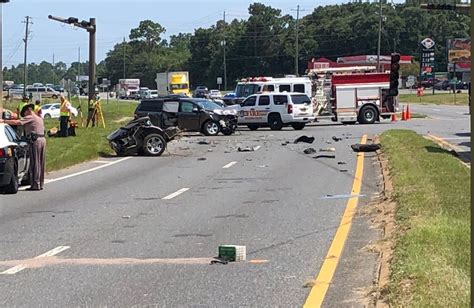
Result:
462,99
431,263
90,142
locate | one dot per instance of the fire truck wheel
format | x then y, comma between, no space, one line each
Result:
368,115
274,121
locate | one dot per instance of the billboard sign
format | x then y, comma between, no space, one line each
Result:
459,50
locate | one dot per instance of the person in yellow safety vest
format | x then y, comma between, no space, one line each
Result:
38,110
20,106
64,114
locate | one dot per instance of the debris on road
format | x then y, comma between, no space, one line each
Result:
285,143
246,149
309,151
341,163
304,139
219,261
341,196
365,147
324,156
336,138
201,158
203,142
248,159
262,166
342,170
184,148
328,150
126,217
209,150
232,253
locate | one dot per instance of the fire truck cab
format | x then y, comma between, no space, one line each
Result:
349,97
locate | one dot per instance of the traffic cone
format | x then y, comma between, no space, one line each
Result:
408,115
404,115
394,117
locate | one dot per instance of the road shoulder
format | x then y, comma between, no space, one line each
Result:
353,282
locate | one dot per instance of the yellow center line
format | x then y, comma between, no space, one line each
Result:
321,286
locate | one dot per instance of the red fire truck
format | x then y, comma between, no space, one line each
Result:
352,94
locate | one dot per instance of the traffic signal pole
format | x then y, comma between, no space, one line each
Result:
91,27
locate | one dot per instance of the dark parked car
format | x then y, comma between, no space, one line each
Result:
201,92
449,85
188,114
14,160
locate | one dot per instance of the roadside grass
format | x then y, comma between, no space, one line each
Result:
462,99
431,264
90,142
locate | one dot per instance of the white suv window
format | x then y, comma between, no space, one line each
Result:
280,99
249,101
264,100
285,87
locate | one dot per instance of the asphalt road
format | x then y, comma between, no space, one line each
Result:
141,231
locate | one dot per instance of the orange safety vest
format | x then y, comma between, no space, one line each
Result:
63,111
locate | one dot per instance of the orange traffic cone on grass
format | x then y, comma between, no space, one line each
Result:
404,115
408,114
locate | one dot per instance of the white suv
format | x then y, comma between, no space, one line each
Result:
276,110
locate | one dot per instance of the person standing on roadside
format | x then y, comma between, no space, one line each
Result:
38,110
34,130
64,114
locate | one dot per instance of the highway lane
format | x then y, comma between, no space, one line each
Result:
270,200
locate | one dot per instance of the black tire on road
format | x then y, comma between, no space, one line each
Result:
253,126
275,122
12,187
298,126
227,131
211,128
154,145
368,115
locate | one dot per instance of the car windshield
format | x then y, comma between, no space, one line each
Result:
244,90
300,99
208,105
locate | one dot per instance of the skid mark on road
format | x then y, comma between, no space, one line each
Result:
326,273
38,259
54,261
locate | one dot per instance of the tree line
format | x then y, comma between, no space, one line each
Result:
264,44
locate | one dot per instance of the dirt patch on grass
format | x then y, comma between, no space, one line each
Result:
382,213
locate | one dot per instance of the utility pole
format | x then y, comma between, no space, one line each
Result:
53,59
225,64
380,36
89,26
124,57
1,53
25,68
297,50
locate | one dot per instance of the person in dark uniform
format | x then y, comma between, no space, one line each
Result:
34,130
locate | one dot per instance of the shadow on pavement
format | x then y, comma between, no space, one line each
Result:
463,134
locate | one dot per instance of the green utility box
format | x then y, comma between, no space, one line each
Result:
232,253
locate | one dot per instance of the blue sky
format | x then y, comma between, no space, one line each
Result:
115,18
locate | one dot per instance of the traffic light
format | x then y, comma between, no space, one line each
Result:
394,68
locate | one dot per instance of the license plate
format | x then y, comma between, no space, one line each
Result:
303,109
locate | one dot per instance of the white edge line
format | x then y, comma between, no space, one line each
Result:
177,193
229,164
88,170
21,267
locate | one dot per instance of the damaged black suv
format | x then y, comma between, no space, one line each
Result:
188,114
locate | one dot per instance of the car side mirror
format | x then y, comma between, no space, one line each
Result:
195,110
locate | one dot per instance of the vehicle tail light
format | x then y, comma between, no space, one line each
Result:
6,152
290,108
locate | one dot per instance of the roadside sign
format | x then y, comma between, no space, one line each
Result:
219,80
410,81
